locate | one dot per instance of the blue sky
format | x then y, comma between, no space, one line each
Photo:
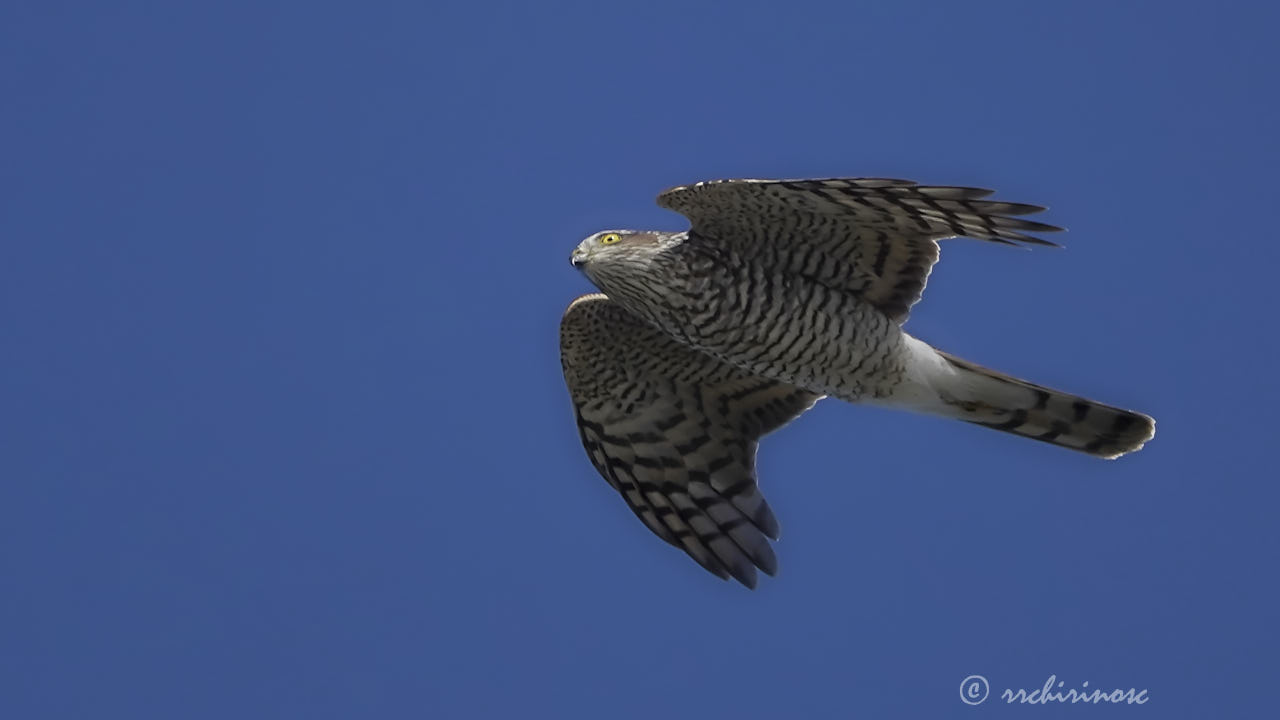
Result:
282,426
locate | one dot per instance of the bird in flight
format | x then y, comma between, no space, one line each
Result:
781,293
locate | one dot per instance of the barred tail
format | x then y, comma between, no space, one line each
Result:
985,397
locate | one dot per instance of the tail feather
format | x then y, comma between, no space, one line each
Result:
985,397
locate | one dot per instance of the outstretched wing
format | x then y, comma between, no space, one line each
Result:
875,237
675,432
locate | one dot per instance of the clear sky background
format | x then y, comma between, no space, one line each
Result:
282,426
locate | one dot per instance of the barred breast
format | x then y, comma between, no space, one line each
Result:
781,322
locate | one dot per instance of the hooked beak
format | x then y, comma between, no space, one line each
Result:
578,258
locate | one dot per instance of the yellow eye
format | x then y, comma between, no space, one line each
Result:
609,239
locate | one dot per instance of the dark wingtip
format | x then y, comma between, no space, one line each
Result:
1034,225
1009,235
766,522
1032,240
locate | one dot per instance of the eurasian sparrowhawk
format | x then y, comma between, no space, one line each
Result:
781,292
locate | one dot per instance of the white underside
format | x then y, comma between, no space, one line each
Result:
927,374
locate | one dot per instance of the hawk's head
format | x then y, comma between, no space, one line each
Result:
619,246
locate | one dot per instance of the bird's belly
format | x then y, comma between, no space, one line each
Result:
802,332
